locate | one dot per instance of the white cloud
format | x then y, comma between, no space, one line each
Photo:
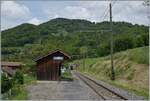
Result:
14,13
12,10
129,11
133,12
72,12
35,21
76,12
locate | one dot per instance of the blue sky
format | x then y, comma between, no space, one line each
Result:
14,13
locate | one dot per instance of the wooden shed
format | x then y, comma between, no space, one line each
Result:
10,67
49,66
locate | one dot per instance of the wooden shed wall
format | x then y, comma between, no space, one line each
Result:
48,70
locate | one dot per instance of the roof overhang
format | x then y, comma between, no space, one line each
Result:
51,53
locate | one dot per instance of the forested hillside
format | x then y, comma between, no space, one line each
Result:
26,42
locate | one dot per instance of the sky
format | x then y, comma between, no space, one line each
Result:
17,12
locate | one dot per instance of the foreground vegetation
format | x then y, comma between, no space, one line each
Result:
18,93
13,88
131,69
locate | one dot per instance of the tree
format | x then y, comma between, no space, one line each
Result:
123,43
6,83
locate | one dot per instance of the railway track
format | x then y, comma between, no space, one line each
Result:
99,89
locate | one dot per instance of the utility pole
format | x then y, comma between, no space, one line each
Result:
111,45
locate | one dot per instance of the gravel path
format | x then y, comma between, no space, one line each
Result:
63,90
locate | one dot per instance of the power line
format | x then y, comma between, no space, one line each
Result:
107,10
105,13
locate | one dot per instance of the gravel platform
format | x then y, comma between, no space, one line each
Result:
71,90
61,90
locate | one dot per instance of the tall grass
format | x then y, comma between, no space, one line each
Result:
139,55
124,63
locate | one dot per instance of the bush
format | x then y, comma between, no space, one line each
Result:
18,77
18,93
139,42
123,43
104,49
6,83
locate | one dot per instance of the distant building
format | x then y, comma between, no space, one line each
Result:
49,66
10,67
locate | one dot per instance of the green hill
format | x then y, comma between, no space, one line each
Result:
131,69
26,42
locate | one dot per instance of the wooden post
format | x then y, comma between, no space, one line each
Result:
111,45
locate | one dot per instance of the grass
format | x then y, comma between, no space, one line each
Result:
138,91
139,55
28,79
131,69
67,76
18,93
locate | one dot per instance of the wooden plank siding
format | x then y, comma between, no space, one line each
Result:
48,68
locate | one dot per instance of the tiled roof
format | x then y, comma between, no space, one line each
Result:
4,63
8,70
